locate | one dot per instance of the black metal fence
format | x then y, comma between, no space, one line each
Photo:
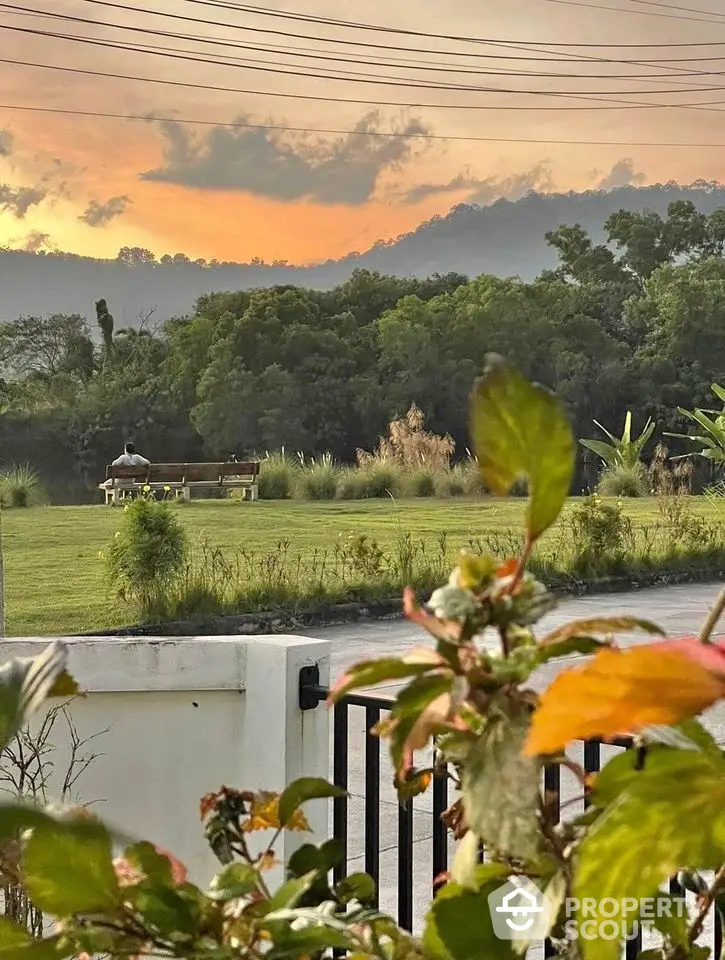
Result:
374,705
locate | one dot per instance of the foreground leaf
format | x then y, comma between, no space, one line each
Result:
584,646
302,790
68,868
370,672
459,925
623,691
25,684
12,934
520,430
648,833
48,949
500,788
600,625
236,880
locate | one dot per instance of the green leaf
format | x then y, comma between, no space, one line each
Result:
520,430
600,625
572,645
420,692
465,860
25,684
15,818
291,892
68,868
48,949
166,909
371,672
500,788
309,941
605,451
236,880
146,858
64,686
673,927
302,790
309,857
358,886
459,925
649,832
11,934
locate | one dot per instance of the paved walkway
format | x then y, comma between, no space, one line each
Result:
678,610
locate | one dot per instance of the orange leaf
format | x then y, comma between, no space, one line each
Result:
264,815
623,691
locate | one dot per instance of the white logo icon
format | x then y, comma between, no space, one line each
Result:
519,911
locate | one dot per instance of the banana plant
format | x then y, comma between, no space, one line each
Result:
621,451
712,441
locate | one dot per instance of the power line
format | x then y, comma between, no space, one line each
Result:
316,55
603,96
674,6
710,106
562,58
640,13
236,124
357,25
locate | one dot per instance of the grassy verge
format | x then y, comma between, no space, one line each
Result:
288,553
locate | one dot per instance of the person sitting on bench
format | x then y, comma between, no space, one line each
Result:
129,458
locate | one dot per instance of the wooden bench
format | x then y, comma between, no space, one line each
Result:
181,478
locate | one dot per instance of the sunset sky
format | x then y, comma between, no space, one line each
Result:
93,184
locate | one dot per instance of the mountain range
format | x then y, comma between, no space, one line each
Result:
505,238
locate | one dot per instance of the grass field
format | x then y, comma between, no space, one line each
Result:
54,579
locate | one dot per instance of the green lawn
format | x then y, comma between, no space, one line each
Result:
54,578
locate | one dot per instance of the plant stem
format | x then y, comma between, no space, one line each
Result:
712,618
705,904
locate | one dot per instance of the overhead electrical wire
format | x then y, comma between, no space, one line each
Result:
673,6
307,53
378,28
711,106
507,44
602,96
560,58
641,13
236,124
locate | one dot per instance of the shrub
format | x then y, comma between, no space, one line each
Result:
472,479
600,533
320,480
379,480
19,486
276,478
409,445
420,482
451,483
624,481
147,556
351,484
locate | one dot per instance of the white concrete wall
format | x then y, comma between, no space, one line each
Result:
185,716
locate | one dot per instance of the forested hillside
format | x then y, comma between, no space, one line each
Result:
640,328
505,239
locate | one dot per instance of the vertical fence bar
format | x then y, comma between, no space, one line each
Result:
552,792
592,759
339,775
405,865
717,920
440,832
372,798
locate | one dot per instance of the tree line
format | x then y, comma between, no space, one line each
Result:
635,323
